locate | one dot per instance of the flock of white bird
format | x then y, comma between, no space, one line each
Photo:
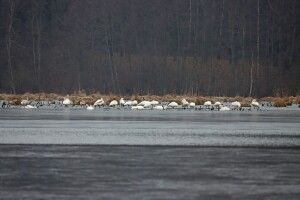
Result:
153,104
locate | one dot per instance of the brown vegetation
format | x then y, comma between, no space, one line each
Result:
283,101
279,103
82,98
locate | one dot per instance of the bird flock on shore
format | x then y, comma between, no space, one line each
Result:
143,105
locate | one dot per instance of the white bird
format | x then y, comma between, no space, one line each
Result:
137,108
147,104
25,102
141,103
99,102
30,107
113,103
140,107
90,107
122,102
158,107
236,104
192,105
134,108
255,104
224,108
154,103
207,103
173,104
134,102
184,102
217,103
128,103
67,102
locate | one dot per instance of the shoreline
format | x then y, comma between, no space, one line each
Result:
79,97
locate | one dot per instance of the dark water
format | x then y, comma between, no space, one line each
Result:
141,172
149,155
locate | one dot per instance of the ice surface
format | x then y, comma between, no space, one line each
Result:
173,127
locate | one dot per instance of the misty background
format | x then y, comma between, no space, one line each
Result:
197,47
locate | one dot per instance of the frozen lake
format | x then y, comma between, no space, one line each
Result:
123,154
149,127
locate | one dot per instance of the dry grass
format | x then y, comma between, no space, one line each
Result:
81,97
289,100
245,104
297,99
279,103
284,101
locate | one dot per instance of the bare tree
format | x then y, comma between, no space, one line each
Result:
213,47
257,38
251,75
36,42
9,43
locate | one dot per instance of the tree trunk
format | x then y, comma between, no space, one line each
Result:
33,34
220,30
36,44
257,42
8,44
190,24
251,75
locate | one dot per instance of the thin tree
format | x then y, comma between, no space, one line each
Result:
257,40
9,43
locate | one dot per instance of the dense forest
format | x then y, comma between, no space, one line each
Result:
197,47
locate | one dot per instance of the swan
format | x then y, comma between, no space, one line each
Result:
192,105
30,107
173,104
255,104
90,107
140,107
141,103
4,104
134,107
236,104
67,102
134,102
25,102
122,102
113,103
224,108
154,103
99,102
185,103
218,105
207,103
128,103
137,108
158,107
147,104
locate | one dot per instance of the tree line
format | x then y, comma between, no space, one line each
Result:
198,47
